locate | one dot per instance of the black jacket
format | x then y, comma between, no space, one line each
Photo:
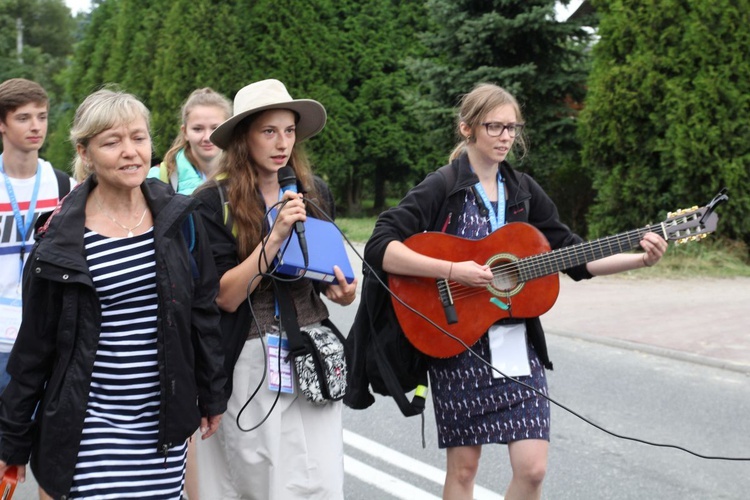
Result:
426,208
53,356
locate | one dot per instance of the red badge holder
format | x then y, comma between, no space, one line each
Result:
8,485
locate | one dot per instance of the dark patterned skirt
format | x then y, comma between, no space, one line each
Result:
472,408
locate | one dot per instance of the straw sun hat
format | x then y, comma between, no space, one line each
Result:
271,94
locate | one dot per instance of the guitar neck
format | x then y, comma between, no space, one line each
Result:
558,260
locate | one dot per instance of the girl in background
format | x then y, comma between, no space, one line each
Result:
189,161
192,156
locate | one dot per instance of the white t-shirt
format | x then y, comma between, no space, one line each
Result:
10,243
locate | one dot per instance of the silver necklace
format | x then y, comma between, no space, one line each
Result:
126,228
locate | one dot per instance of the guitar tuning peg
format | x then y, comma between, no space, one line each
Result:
681,241
694,208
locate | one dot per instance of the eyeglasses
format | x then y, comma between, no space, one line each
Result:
496,129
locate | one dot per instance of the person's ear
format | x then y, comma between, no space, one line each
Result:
82,152
465,130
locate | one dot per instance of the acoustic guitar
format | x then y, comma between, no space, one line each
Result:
526,281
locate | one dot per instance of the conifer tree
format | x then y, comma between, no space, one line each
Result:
197,47
667,119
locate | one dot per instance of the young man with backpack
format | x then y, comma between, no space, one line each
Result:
29,187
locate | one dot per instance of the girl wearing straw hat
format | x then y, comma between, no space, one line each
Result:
274,444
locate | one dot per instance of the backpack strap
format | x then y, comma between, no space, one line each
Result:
372,290
225,209
444,219
188,232
63,183
163,172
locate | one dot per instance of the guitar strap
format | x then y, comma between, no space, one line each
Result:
450,174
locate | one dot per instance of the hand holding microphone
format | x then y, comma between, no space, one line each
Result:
288,182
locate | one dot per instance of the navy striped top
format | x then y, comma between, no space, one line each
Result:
118,457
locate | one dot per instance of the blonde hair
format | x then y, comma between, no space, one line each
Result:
200,97
101,111
477,104
239,173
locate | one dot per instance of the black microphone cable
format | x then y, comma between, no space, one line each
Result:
489,365
269,273
263,258
551,400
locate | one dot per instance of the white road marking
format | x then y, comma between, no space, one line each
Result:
385,482
401,461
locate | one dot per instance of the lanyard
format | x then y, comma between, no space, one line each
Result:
497,219
272,214
22,225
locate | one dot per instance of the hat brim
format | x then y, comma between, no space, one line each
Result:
312,119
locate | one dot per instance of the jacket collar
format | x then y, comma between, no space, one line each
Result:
65,227
467,178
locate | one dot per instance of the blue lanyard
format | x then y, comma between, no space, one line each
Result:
497,219
22,225
272,213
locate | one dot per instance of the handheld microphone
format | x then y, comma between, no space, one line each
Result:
288,182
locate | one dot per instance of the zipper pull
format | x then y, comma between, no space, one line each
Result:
165,450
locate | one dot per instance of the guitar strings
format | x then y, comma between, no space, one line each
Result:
522,270
528,268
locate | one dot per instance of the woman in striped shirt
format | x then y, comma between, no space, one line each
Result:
125,361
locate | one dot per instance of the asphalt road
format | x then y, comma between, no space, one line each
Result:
627,392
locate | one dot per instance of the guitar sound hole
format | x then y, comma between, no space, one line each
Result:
505,275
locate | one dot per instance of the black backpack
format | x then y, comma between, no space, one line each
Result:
380,355
379,351
63,183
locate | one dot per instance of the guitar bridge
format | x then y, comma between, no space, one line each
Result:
444,292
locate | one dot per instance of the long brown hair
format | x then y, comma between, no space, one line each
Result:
474,106
238,172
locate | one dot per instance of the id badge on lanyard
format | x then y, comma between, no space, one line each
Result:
279,364
508,350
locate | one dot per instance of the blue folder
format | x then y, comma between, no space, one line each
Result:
325,248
